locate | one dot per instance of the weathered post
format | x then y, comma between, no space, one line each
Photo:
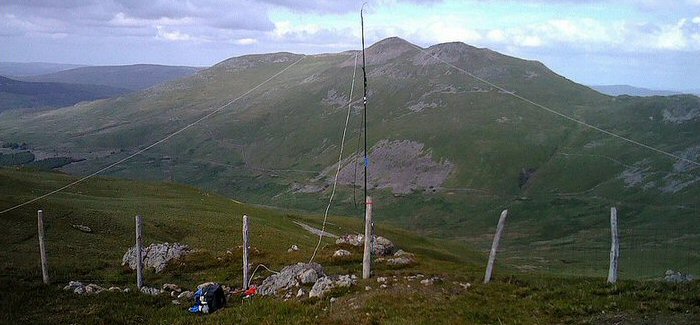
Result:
494,246
246,252
42,248
367,256
139,252
614,247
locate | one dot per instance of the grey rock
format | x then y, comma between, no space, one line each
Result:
156,256
185,295
678,277
341,253
300,293
171,287
205,284
81,289
308,276
82,228
72,285
291,276
150,291
380,247
294,248
328,283
114,289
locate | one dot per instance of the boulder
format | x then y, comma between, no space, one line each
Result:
380,247
156,256
328,283
291,276
341,253
294,248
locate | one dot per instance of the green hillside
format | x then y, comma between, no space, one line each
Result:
211,224
447,152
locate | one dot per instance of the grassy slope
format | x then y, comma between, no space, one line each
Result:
211,224
261,144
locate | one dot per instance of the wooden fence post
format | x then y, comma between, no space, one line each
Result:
42,248
139,253
494,246
246,252
614,247
367,256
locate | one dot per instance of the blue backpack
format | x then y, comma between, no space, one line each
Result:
209,299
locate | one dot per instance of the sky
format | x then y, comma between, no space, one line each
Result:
646,43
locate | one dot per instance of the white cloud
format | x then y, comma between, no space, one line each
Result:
246,41
172,35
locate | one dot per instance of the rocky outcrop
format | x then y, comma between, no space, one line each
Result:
291,276
328,283
156,256
380,247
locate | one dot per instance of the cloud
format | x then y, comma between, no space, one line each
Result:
246,41
174,35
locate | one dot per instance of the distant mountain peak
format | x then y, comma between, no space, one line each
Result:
388,49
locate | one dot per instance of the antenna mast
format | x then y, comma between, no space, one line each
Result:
364,98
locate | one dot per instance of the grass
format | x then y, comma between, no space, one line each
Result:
211,224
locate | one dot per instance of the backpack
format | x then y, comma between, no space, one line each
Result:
209,299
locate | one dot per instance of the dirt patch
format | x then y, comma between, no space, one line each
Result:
404,166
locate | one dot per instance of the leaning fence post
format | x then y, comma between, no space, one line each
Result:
139,253
246,252
42,248
494,246
614,247
366,257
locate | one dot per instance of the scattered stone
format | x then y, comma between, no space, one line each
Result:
352,240
185,295
81,289
341,253
401,252
82,228
126,290
300,293
383,286
151,291
431,281
114,289
678,277
368,288
291,276
334,299
327,283
171,287
175,302
294,248
381,279
205,284
156,256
